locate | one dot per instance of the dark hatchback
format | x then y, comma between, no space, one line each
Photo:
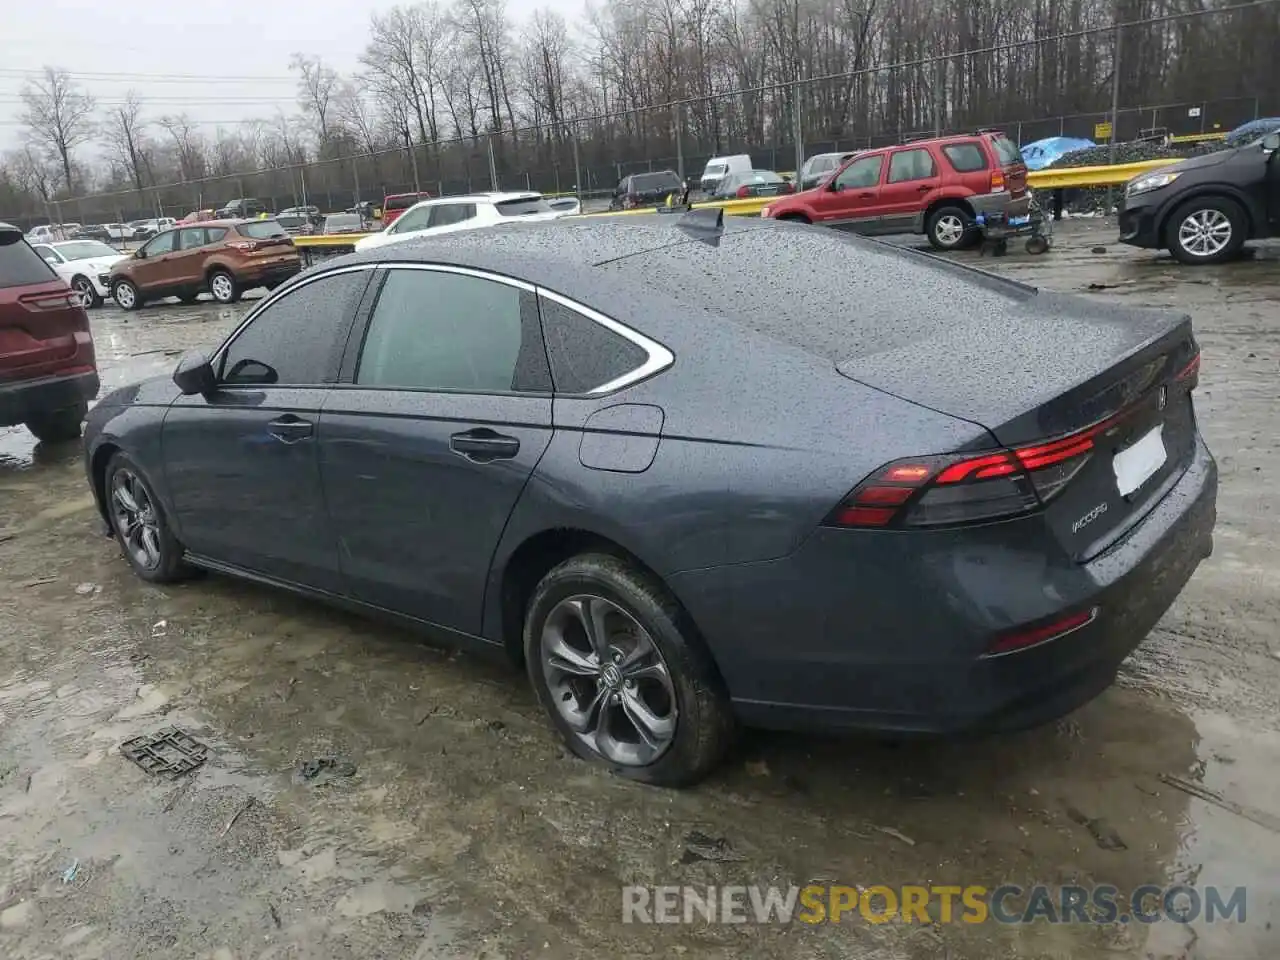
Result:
1202,210
694,505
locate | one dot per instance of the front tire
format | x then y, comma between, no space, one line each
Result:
140,525
126,295
223,286
621,672
1207,230
948,228
59,426
86,291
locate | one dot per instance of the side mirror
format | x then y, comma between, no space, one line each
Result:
195,375
51,261
140,254
834,186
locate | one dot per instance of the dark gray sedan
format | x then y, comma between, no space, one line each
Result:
809,480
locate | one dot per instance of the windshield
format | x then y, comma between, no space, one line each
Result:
715,169
522,207
261,229
84,249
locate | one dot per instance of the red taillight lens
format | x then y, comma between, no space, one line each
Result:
1023,639
743,193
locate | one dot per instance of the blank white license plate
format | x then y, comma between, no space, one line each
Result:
1138,464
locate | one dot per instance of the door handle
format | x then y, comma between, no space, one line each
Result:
483,445
290,428
925,187
865,196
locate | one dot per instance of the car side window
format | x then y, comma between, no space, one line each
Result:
911,165
297,339
191,237
585,355
863,172
432,330
447,214
161,244
413,220
965,157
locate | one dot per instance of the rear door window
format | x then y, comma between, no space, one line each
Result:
20,265
447,214
906,165
965,157
191,237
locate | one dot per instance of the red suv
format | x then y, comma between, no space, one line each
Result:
48,373
935,187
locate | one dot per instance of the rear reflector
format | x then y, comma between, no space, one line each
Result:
1190,374
1025,639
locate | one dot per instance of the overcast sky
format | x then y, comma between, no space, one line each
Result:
237,51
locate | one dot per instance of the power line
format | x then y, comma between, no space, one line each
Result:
10,72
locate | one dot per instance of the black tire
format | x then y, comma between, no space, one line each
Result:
59,426
704,723
88,293
126,295
940,228
1212,211
169,566
224,287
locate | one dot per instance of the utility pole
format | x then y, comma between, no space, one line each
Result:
577,164
493,166
1115,99
799,127
679,121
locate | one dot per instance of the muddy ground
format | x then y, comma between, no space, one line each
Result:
466,831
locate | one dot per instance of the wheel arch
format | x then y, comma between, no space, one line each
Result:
948,201
98,475
795,216
1206,191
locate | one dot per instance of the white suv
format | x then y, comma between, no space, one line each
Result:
453,214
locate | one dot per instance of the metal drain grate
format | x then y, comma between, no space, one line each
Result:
167,753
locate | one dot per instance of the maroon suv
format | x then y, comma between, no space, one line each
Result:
48,373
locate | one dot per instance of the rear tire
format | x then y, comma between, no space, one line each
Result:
224,287
949,228
59,426
85,290
1207,230
640,693
126,295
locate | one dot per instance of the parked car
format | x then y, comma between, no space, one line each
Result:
85,265
568,206
295,224
720,167
455,214
48,372
647,190
145,229
310,212
245,208
753,183
394,204
47,232
224,257
1204,209
92,231
543,463
936,187
344,223
198,216
820,166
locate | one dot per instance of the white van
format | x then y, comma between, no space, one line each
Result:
720,167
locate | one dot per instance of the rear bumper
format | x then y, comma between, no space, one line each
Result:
252,275
886,633
24,399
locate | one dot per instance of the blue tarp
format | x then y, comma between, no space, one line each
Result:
1040,154
1252,131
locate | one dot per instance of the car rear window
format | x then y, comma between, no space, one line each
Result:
521,208
20,265
1006,150
656,181
261,229
965,157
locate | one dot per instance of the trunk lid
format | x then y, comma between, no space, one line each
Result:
1037,369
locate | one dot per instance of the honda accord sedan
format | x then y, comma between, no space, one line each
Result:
808,481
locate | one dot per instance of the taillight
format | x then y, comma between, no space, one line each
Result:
743,193
50,301
962,488
245,245
997,181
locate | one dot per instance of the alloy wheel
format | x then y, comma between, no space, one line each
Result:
949,230
84,292
125,295
1205,233
608,680
136,518
221,288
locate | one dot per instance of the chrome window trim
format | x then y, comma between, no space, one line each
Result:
659,357
462,271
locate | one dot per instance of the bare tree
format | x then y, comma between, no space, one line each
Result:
125,132
318,84
58,114
189,144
